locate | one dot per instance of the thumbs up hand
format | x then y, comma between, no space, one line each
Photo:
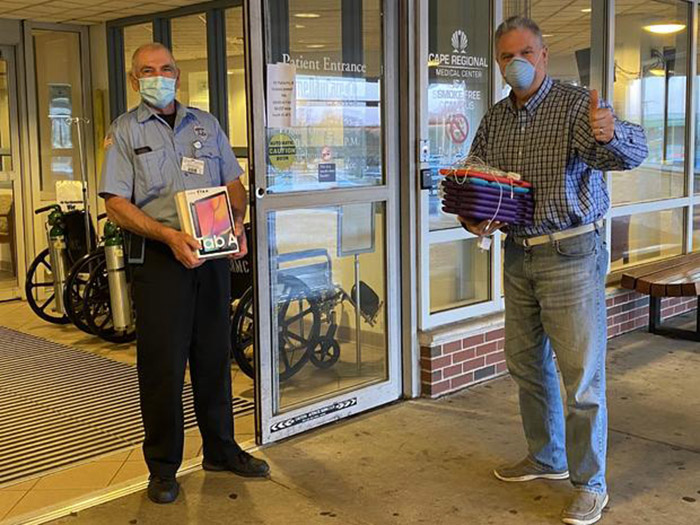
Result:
602,121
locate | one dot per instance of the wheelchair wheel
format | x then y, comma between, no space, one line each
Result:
243,334
74,292
40,292
299,323
325,353
98,310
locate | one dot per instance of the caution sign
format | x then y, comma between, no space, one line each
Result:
281,151
457,128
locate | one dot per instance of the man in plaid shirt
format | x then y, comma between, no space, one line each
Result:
560,138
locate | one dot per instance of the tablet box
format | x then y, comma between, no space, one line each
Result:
206,214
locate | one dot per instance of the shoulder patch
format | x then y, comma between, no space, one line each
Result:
108,141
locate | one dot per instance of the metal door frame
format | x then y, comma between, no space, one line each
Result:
270,427
33,196
9,54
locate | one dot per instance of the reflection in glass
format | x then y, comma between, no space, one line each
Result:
459,275
650,90
646,237
235,65
189,38
324,345
458,88
59,97
134,37
324,101
8,243
5,143
696,228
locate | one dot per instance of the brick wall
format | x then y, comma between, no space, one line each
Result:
451,365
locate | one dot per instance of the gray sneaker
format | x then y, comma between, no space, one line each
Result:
585,508
527,470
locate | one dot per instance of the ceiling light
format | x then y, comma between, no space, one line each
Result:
587,10
547,35
307,15
664,29
316,46
657,72
299,26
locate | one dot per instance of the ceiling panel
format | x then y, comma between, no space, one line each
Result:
82,11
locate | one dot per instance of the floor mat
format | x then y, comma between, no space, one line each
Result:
60,405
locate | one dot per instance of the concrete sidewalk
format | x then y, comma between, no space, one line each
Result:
430,461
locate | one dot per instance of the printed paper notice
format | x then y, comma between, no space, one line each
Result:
281,95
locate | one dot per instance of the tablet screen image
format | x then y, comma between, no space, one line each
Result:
212,222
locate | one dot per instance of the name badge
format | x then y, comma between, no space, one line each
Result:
191,165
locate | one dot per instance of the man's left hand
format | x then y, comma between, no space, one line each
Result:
602,121
242,241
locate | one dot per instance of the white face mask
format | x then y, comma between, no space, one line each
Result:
520,73
158,92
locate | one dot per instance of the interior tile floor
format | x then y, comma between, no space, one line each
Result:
23,499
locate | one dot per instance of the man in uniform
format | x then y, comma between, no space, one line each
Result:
151,153
560,138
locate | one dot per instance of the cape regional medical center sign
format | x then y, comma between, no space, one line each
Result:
458,65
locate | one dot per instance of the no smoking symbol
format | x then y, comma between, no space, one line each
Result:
457,128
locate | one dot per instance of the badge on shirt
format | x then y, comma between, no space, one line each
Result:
191,165
108,142
200,132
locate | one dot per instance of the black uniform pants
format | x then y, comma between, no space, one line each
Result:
183,315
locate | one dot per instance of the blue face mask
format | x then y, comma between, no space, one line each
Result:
158,92
520,73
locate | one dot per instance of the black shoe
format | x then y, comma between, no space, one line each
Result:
163,490
242,464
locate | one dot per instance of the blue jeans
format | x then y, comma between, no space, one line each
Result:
555,304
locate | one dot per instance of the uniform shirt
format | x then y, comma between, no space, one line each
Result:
549,142
143,159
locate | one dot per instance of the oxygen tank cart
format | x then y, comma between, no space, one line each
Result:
56,236
107,298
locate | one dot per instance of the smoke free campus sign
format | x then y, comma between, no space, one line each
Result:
459,64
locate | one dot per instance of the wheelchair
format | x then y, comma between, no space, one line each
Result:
306,303
41,288
81,295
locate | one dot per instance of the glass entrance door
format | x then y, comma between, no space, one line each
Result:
11,232
58,102
325,186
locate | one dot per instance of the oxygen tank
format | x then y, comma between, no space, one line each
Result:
58,257
119,293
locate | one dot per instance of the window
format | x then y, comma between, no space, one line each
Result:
458,87
324,100
59,92
134,37
5,145
648,216
651,42
646,237
456,273
189,44
459,275
235,76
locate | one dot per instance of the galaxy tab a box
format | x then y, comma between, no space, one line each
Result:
205,214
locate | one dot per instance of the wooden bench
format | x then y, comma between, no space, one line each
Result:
677,277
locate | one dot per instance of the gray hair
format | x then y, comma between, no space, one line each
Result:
519,22
151,46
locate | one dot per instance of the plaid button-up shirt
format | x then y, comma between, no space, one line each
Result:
549,142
